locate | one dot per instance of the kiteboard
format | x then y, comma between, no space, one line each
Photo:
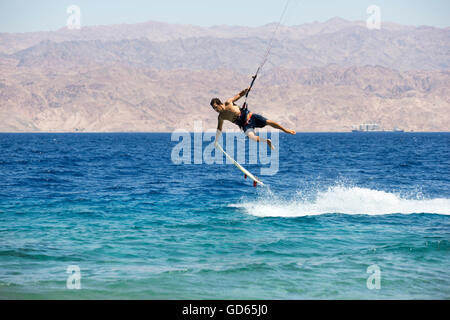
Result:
246,173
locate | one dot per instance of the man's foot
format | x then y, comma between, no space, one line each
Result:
291,132
269,142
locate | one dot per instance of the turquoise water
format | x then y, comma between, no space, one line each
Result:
141,227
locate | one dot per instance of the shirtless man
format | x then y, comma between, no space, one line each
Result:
245,119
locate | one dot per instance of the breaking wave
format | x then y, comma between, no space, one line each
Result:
343,200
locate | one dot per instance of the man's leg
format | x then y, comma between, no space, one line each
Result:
275,125
251,135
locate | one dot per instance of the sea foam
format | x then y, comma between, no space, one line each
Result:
344,200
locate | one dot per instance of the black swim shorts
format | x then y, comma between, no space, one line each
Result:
256,121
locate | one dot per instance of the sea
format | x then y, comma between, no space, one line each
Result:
113,216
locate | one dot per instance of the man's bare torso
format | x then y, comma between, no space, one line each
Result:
231,112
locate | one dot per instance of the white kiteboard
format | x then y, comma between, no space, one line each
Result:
255,179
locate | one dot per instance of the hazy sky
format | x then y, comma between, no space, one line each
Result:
43,15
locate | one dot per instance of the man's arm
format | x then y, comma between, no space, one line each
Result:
219,130
238,96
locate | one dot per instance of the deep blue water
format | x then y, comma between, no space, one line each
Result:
141,227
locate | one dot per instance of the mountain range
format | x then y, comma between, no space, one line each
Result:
160,77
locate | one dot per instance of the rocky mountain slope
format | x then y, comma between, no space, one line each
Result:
160,77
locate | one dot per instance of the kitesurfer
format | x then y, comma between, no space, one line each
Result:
245,119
